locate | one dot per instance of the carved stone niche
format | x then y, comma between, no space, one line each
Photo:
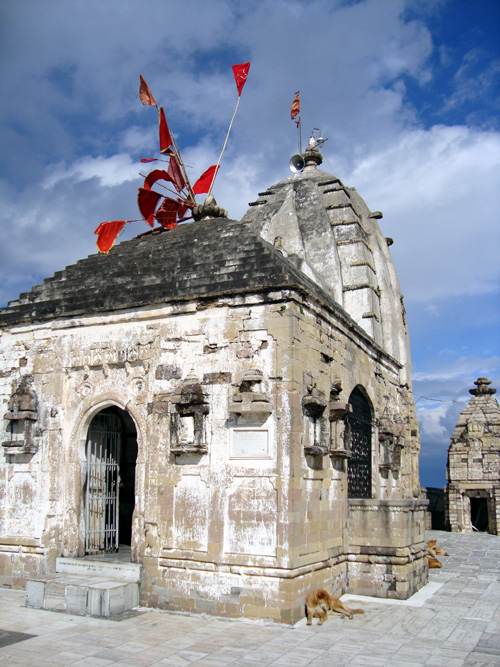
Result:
187,421
340,431
248,401
22,415
313,406
391,445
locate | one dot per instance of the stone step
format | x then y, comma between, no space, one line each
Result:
82,594
87,586
124,572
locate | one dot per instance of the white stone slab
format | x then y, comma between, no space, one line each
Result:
130,572
416,600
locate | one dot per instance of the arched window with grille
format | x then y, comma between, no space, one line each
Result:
359,469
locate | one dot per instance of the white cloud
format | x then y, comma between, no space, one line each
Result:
109,171
139,140
431,421
475,79
462,368
439,190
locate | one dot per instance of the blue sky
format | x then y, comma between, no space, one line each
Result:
407,92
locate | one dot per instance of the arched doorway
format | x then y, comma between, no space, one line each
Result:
359,469
111,453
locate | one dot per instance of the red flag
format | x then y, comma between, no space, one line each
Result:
183,207
205,181
153,176
147,200
175,174
145,93
145,160
107,233
167,213
240,75
165,138
296,105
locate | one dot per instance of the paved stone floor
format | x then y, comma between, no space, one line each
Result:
455,620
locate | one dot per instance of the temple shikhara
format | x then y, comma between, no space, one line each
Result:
215,417
473,491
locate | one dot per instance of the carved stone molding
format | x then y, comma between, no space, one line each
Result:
338,416
248,400
187,422
22,414
390,435
313,406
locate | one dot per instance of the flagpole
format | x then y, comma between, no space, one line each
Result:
183,169
224,147
177,155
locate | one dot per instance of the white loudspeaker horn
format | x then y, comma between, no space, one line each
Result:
296,164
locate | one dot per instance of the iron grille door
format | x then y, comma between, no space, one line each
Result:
101,506
359,470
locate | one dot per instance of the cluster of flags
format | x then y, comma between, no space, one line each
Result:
172,210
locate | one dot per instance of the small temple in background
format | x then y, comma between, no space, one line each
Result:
472,500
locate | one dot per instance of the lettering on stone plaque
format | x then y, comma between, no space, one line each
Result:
104,354
250,443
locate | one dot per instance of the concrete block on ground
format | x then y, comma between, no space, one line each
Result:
55,596
35,594
76,599
76,594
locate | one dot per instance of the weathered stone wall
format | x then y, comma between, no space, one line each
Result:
232,515
435,516
387,547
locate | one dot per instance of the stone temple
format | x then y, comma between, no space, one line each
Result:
473,491
230,399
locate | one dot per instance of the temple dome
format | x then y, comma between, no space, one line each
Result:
329,232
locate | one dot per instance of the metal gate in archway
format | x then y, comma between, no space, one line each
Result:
359,469
103,476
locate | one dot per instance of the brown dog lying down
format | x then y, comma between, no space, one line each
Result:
434,563
319,603
432,552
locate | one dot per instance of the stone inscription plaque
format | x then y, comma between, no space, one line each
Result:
108,354
250,443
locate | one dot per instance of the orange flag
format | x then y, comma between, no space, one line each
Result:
240,73
107,233
165,138
296,105
175,174
147,201
153,176
205,181
145,93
